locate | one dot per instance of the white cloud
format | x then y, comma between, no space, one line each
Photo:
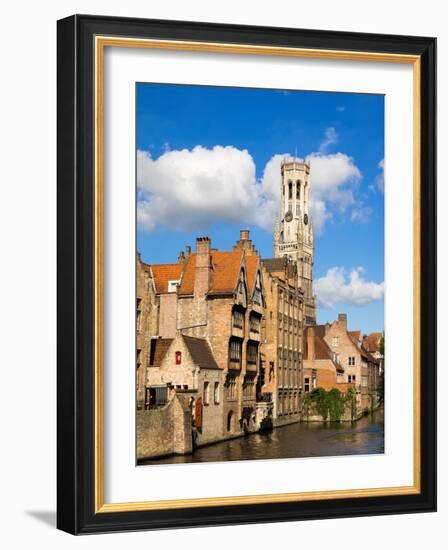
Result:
189,189
361,214
333,181
337,287
330,138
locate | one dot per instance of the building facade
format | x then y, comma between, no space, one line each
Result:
281,372
214,300
293,233
354,366
146,324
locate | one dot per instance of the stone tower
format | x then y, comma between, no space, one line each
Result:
293,233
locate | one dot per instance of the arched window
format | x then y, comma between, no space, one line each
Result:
298,189
178,357
290,190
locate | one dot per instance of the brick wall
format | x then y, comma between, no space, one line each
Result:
166,430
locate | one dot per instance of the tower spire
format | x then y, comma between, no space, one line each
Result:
293,234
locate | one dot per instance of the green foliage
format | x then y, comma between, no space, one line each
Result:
329,404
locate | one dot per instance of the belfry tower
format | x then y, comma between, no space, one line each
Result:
293,234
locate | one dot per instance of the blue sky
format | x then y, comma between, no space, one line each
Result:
208,164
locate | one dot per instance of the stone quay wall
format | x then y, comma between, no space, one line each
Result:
165,431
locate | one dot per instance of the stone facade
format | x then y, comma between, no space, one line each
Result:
322,369
282,339
165,430
354,366
293,233
146,325
188,365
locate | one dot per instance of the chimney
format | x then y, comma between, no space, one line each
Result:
188,250
202,273
244,234
342,319
181,257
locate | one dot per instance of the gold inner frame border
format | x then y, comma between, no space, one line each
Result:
101,42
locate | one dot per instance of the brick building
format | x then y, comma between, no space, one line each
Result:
186,364
281,372
214,298
357,367
146,325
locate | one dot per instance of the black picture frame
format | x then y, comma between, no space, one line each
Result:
76,271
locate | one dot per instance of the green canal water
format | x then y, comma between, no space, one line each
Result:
366,436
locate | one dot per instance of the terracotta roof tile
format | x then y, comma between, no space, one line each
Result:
223,275
356,334
225,270
163,273
372,341
251,267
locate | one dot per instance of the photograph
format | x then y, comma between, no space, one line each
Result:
259,274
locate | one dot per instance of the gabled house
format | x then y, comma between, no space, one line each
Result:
186,364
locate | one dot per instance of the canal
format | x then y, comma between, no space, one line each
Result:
366,436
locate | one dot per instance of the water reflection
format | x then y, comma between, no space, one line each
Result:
296,440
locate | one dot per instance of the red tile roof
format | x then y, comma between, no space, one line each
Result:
162,273
252,263
372,341
225,269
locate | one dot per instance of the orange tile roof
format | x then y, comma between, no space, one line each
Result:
225,270
372,341
162,273
223,275
356,334
251,268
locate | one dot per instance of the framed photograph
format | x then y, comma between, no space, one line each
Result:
246,274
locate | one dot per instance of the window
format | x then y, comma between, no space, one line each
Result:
298,189
172,286
139,314
248,387
351,361
290,190
351,378
252,352
206,393
254,323
216,393
235,351
306,384
230,387
178,357
238,318
335,341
